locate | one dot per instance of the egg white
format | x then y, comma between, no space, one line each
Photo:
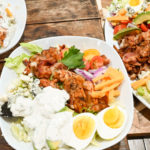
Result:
135,8
105,131
70,138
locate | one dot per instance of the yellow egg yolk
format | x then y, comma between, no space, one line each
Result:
113,118
83,127
134,2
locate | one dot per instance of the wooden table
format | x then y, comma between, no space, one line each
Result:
76,17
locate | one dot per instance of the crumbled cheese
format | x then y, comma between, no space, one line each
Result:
143,74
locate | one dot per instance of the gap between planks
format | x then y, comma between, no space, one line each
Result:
68,20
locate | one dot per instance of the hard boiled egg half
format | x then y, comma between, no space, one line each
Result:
80,131
111,121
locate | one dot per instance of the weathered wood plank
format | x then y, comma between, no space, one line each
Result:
136,144
44,11
147,144
123,145
3,144
91,28
105,3
141,122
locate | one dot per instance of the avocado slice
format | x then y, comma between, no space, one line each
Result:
53,145
125,31
145,16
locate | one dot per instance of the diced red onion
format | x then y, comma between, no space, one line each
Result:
100,71
130,25
87,75
92,71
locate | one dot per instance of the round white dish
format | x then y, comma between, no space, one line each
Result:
20,13
126,98
109,39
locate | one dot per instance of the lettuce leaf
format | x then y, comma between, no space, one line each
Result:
16,62
19,132
32,47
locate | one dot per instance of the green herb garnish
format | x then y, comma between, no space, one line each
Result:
73,58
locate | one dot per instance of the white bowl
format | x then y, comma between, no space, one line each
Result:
126,98
20,13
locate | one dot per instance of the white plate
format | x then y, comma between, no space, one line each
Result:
126,98
109,39
20,13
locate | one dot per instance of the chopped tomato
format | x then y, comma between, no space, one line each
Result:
87,65
90,53
148,25
63,52
144,27
96,62
119,27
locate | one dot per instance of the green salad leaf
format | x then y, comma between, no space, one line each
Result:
140,91
16,62
73,58
19,131
32,47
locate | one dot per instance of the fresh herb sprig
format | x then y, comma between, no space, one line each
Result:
73,58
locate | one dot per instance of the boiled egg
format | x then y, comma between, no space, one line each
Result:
111,121
80,131
135,5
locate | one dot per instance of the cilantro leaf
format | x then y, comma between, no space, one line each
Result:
73,58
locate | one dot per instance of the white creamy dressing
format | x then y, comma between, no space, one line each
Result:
22,107
39,114
55,131
7,23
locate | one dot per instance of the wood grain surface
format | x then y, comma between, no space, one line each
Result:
90,28
60,10
48,18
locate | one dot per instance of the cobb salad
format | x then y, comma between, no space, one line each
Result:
7,24
63,98
130,22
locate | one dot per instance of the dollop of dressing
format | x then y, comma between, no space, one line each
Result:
39,113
